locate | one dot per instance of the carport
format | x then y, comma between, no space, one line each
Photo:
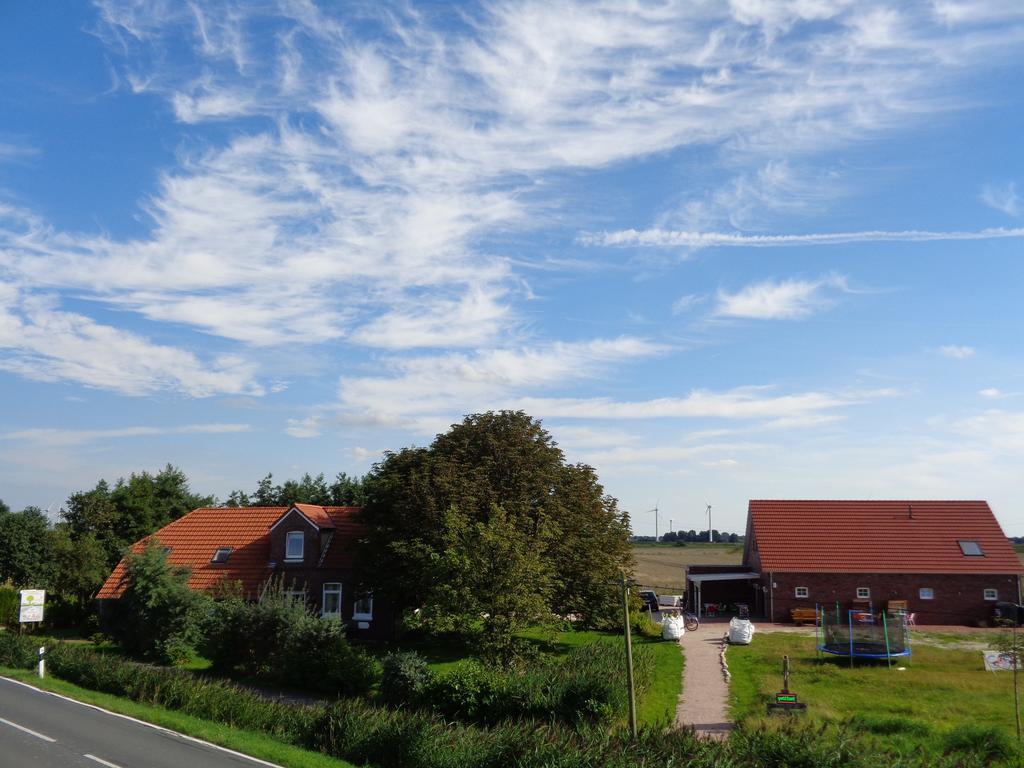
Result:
695,582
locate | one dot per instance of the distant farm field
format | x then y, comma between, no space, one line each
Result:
662,566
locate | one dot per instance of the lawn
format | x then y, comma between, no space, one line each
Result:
941,694
662,566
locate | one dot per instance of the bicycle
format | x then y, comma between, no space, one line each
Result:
690,621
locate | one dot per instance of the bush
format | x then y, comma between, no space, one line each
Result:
281,640
158,618
405,674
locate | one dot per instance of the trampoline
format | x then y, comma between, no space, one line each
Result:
860,633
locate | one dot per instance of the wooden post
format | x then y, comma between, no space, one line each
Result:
629,658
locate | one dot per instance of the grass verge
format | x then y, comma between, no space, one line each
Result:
247,742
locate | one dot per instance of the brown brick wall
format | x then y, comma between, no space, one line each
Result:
958,598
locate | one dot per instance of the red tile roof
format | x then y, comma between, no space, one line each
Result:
879,537
194,538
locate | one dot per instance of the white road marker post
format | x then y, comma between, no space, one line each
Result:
42,661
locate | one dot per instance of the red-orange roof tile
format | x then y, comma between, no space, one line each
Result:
879,537
194,538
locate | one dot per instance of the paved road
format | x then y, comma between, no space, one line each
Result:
40,730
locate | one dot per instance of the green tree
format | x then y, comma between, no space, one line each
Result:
424,505
24,547
492,569
158,617
79,567
134,508
347,491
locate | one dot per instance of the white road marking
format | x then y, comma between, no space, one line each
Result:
209,744
27,730
101,761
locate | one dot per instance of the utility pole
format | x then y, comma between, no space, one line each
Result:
629,656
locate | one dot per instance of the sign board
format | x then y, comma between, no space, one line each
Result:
30,613
32,602
997,661
33,596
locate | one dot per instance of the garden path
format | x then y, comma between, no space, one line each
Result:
704,704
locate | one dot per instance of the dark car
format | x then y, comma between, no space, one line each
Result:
650,599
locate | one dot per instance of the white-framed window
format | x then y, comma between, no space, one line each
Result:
331,607
362,609
926,593
294,544
801,592
991,594
221,555
863,593
295,594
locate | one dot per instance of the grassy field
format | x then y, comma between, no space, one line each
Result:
941,699
662,566
255,744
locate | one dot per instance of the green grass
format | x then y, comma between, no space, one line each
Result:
247,742
657,706
918,711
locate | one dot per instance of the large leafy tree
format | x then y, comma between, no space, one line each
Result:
24,547
428,511
118,517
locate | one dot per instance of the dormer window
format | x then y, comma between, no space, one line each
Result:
221,555
294,544
971,548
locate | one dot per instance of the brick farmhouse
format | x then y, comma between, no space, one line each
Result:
309,547
948,561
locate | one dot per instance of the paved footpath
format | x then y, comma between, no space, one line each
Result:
704,704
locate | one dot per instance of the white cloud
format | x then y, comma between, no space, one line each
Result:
686,303
49,437
661,238
373,171
45,344
991,393
957,352
1002,197
783,300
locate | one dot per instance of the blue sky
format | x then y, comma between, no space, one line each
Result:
723,250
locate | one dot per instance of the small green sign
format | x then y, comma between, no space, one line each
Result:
785,698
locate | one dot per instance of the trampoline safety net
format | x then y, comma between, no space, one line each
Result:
864,634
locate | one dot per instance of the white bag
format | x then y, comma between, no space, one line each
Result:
672,627
741,631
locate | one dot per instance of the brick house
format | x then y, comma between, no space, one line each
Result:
310,548
948,560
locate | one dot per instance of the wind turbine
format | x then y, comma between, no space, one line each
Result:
655,511
711,538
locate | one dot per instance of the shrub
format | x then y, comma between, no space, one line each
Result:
158,617
404,676
10,600
313,654
281,640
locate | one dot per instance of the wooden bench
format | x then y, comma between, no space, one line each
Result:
804,615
